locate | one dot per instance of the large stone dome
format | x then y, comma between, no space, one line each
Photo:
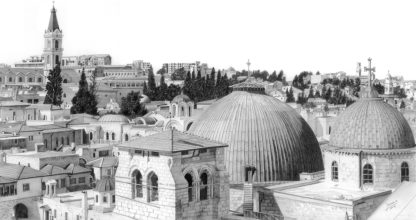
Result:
261,131
370,123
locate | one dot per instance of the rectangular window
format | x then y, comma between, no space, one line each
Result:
109,172
81,180
202,151
73,181
104,153
30,138
138,151
184,152
26,187
104,199
114,198
63,183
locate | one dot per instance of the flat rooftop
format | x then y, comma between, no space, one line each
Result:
46,154
320,190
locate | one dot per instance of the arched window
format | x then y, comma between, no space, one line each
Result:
96,198
189,113
368,174
56,59
126,137
10,79
57,142
20,211
203,190
48,59
137,187
182,111
45,142
189,179
64,95
329,130
113,136
28,117
404,172
29,80
20,79
56,44
107,136
91,135
152,187
62,140
334,171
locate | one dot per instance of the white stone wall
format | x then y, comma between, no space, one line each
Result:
386,169
173,200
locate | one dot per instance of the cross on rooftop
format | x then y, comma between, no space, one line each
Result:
370,71
248,68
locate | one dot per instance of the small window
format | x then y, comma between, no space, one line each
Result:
20,79
96,198
405,172
184,152
73,181
104,199
26,187
334,171
81,180
39,80
114,198
113,136
10,79
202,151
368,174
138,152
63,183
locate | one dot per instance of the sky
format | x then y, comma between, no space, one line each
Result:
293,36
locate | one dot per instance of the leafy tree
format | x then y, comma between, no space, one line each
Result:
399,92
161,71
328,94
289,95
273,77
131,106
54,87
301,99
280,76
379,88
84,100
402,105
179,74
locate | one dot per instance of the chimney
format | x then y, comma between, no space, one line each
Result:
85,205
249,172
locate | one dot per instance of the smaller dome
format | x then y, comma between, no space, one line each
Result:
114,118
105,184
145,99
181,98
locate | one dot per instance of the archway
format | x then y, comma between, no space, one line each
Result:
20,211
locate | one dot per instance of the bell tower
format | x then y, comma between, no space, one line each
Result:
52,51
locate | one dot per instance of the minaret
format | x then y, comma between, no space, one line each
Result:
248,68
52,51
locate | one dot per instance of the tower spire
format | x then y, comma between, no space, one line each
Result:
53,20
248,68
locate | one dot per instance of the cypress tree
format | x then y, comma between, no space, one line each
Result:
187,86
151,88
81,100
54,87
163,89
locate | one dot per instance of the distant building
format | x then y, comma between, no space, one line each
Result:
172,67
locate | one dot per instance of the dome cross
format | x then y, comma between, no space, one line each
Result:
370,71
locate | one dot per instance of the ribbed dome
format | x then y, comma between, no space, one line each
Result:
370,123
105,184
114,118
261,131
181,98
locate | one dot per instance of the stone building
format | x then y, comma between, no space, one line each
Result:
371,152
172,175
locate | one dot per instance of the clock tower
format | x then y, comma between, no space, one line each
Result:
52,51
